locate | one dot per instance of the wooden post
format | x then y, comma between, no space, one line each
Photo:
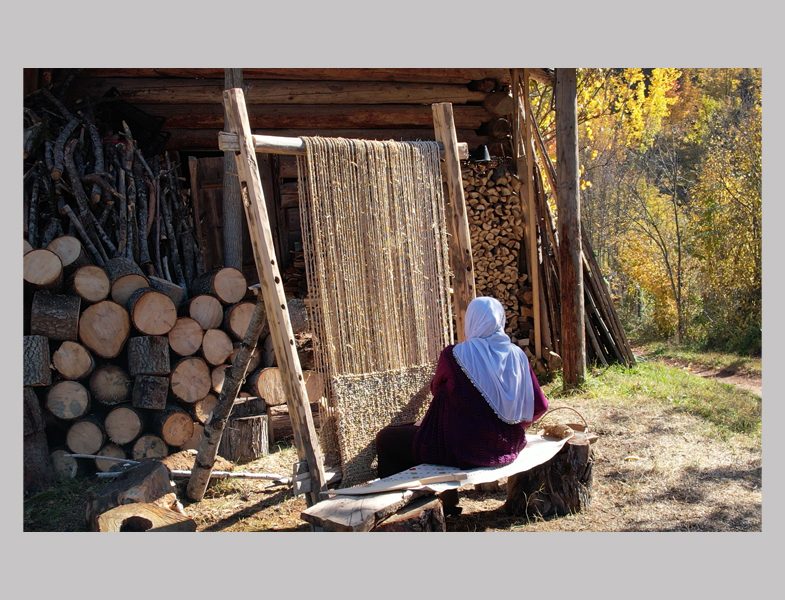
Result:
272,291
525,165
573,338
457,222
232,200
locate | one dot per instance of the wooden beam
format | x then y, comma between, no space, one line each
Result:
231,198
273,294
294,145
569,217
460,244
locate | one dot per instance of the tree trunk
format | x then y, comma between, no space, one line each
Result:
126,277
150,392
228,284
245,439
186,336
124,424
55,316
148,355
39,472
216,346
206,310
37,371
110,385
559,487
190,379
73,361
91,283
68,400
104,328
151,312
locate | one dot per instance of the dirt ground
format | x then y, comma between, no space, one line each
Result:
655,469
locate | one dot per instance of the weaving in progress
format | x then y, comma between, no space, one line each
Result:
374,235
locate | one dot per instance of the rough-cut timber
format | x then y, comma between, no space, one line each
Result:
56,316
148,355
39,471
237,317
147,482
124,424
174,291
216,346
206,310
37,370
151,312
559,487
190,379
86,436
104,328
71,252
68,400
73,361
186,336
91,283
110,385
150,391
149,446
110,451
174,426
126,277
144,517
353,513
245,439
43,270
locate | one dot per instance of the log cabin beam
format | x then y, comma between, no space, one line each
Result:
207,91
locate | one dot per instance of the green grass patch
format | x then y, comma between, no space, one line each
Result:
732,410
61,507
732,363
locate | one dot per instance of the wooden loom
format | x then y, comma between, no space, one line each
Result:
244,144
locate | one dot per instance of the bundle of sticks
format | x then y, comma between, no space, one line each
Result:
85,180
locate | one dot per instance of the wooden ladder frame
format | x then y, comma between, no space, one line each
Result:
244,144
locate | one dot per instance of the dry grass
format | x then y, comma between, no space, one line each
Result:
662,463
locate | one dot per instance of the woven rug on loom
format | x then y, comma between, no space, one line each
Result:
374,235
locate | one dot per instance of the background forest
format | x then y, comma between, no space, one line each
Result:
671,198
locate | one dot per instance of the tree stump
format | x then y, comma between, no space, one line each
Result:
148,355
56,316
559,487
37,371
424,514
245,439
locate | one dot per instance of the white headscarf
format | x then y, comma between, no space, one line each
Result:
498,368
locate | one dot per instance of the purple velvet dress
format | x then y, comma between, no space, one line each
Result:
461,429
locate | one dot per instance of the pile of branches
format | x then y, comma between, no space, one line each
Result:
86,179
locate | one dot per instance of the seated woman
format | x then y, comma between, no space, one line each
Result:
485,395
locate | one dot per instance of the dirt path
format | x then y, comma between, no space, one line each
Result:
745,381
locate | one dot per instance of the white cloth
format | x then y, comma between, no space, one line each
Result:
498,368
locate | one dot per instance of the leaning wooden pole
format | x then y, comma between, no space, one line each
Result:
234,377
271,285
460,245
573,333
232,199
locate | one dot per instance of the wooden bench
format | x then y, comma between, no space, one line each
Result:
557,487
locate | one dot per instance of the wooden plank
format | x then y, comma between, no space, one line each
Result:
206,91
294,145
460,245
330,116
273,294
463,76
356,513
